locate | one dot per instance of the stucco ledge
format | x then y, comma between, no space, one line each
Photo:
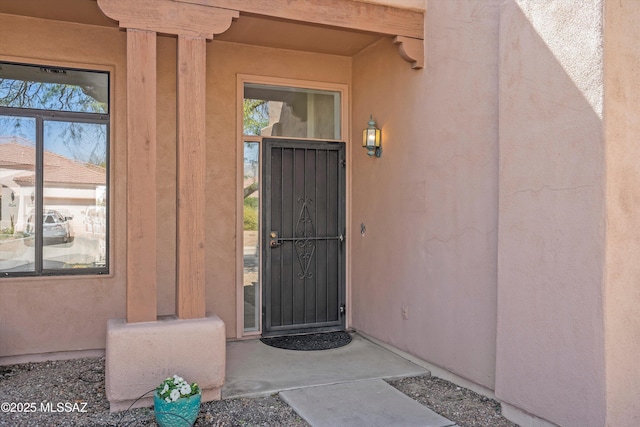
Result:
523,418
140,355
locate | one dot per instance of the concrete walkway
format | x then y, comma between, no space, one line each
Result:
339,387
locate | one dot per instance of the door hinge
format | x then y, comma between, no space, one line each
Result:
343,310
343,163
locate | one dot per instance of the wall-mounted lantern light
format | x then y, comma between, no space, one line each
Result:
371,138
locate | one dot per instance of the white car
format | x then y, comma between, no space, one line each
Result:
55,227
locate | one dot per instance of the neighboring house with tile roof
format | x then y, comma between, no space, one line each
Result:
72,186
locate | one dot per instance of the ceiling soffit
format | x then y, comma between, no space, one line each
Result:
339,27
293,35
405,25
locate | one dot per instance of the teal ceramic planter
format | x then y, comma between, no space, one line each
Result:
181,413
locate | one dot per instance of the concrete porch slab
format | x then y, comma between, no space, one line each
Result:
255,369
370,403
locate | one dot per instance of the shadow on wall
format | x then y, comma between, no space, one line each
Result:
551,211
486,223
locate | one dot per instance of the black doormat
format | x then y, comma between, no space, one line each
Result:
310,342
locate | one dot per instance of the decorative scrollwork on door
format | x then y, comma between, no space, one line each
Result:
305,244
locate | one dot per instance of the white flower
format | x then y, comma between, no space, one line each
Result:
185,389
175,387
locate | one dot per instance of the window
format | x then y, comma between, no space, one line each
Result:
54,163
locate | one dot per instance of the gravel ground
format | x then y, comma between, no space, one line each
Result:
465,407
71,393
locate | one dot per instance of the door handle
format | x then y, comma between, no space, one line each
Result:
275,240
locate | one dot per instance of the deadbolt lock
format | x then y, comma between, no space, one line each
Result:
274,241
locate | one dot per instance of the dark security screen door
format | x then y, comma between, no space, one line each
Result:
303,236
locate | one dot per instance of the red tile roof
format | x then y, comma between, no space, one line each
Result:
57,169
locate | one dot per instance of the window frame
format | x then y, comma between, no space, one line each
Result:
308,89
41,116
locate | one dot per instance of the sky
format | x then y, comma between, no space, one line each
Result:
84,142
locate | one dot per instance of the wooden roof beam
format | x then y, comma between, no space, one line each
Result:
406,25
348,14
169,17
205,18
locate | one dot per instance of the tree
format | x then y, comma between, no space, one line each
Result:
84,141
255,116
50,96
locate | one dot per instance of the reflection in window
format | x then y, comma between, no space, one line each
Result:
51,88
17,193
291,112
251,237
74,193
53,170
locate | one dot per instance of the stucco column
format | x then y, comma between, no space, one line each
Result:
193,24
139,354
190,286
141,176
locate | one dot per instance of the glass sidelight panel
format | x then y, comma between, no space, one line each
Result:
251,237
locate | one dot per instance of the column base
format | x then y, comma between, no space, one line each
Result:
139,356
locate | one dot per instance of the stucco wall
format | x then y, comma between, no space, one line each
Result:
622,290
487,209
224,62
495,247
69,313
429,203
550,358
